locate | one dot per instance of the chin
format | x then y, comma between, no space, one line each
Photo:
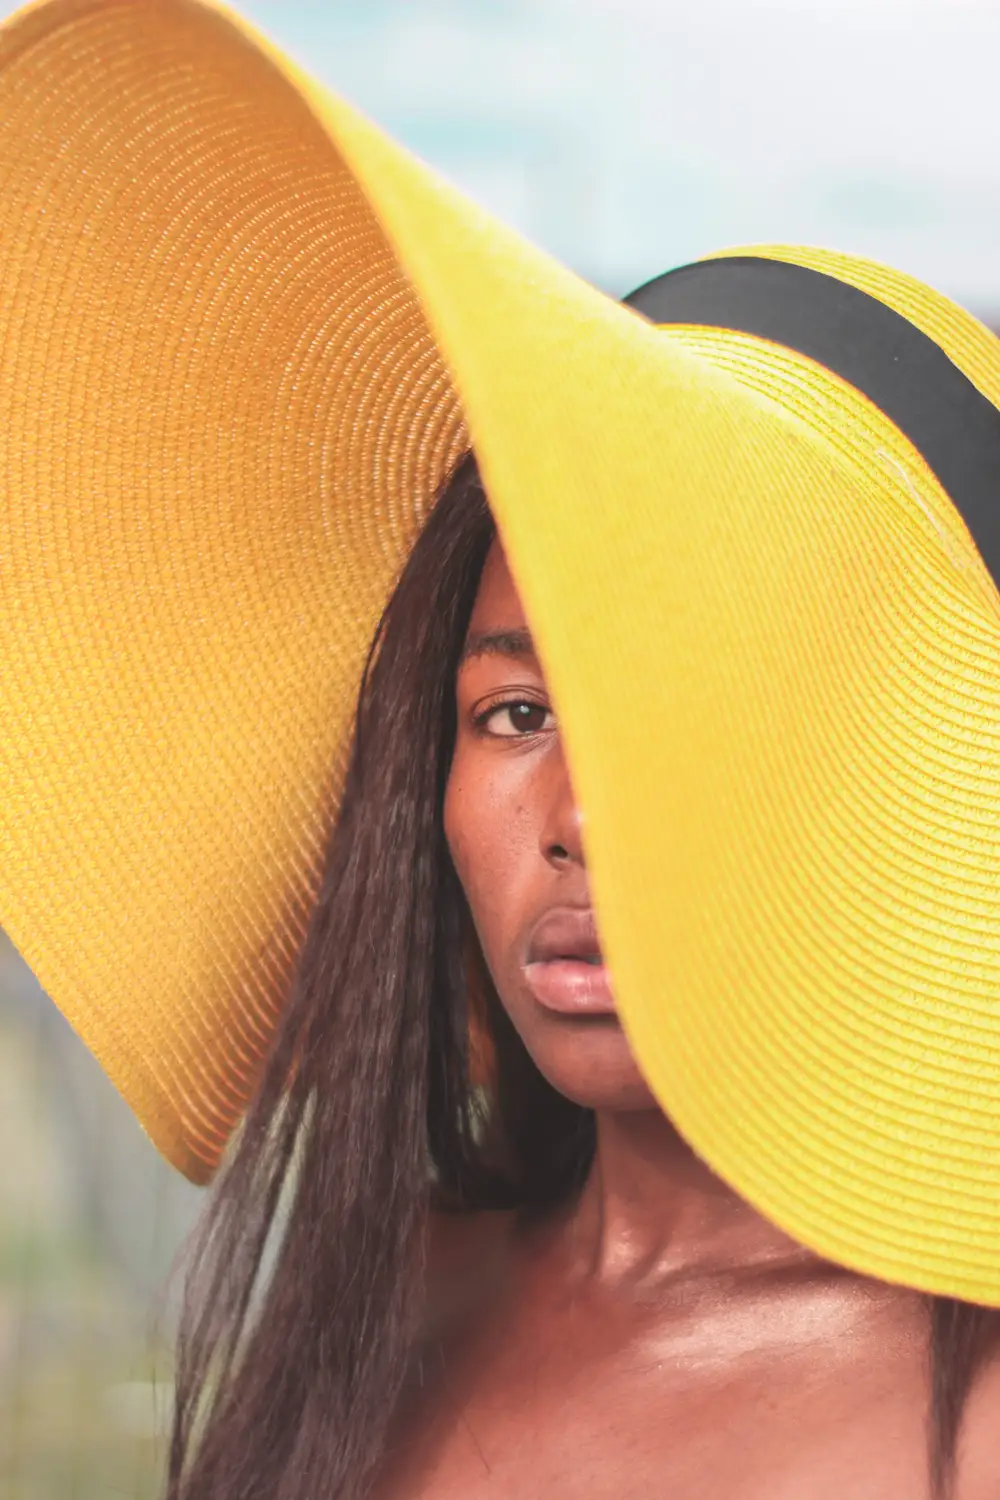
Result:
589,1061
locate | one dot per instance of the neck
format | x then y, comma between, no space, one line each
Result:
651,1208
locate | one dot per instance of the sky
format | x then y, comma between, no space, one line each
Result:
627,136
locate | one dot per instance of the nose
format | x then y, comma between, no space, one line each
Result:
560,840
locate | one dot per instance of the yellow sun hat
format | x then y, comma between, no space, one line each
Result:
243,337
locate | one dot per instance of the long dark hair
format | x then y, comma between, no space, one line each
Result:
395,1084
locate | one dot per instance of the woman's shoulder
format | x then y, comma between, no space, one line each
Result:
979,1463
467,1258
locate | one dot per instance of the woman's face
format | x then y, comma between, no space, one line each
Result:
514,832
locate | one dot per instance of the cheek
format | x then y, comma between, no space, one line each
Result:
470,825
485,829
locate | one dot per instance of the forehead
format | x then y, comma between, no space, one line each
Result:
497,601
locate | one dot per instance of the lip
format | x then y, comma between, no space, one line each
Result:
564,968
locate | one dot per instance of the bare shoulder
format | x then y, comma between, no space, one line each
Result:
468,1257
979,1463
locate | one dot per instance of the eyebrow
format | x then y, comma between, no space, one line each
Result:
515,643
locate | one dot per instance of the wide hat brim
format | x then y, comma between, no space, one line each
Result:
242,338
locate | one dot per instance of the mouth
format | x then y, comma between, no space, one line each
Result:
565,969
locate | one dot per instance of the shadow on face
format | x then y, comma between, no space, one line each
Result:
513,829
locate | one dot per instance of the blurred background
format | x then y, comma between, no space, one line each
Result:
625,136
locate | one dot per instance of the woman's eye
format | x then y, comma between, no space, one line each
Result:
511,719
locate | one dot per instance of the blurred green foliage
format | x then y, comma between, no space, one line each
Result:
91,1222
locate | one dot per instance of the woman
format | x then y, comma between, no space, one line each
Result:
603,1315
602,1136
